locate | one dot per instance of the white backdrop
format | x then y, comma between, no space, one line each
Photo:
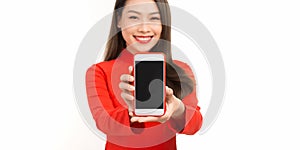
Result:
259,41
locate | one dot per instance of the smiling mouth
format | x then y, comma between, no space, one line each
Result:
143,39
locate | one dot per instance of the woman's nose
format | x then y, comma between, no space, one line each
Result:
144,27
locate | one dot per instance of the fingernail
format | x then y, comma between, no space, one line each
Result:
131,79
132,120
132,88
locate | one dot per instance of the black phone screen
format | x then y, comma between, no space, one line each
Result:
149,84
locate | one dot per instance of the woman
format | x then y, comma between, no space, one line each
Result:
140,26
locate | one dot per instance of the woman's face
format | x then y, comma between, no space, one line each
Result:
140,24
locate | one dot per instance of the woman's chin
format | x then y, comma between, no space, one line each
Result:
139,48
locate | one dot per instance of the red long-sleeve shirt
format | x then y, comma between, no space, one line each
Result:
111,114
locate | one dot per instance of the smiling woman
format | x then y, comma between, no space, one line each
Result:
141,26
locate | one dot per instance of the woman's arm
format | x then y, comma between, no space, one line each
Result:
183,116
192,117
109,119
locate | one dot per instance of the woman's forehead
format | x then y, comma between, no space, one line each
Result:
141,6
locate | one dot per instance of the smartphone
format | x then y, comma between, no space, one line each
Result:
149,74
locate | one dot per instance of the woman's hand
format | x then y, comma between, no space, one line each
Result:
127,89
175,109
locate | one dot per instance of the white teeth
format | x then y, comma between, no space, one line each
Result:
143,38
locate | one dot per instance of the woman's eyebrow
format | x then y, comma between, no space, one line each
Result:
133,11
153,13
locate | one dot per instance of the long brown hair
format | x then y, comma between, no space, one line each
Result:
177,79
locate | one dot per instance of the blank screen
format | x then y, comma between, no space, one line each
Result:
149,84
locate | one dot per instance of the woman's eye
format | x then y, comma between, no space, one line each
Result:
155,18
133,17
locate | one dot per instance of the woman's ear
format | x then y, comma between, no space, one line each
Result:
118,21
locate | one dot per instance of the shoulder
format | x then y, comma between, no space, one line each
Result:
182,65
104,66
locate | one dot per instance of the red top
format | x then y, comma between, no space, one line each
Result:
111,115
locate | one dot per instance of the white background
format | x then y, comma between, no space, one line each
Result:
259,41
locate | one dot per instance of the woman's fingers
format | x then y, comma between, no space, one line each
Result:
161,119
127,96
130,68
131,113
144,119
126,78
127,89
171,107
125,86
169,94
169,91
